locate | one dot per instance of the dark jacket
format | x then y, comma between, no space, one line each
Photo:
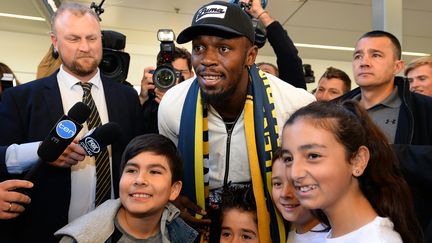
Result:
27,114
150,115
413,146
288,61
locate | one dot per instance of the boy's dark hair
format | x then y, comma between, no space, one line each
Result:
391,37
277,155
159,145
238,197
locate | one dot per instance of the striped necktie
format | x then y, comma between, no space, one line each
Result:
103,172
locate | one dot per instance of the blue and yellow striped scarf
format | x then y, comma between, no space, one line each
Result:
262,140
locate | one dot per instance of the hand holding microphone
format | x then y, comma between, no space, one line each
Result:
60,149
73,154
63,133
90,144
57,145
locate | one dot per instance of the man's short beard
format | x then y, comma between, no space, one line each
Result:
217,99
80,71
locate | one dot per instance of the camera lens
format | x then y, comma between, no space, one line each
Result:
164,77
109,64
115,65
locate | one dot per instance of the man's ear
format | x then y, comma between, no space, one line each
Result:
53,40
251,55
399,66
175,190
360,161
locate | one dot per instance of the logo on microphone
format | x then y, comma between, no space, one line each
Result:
66,129
91,146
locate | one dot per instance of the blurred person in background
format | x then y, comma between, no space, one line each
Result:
332,84
419,74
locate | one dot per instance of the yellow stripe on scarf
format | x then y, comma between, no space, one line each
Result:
199,160
280,220
257,183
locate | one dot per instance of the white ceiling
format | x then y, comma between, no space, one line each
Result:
323,22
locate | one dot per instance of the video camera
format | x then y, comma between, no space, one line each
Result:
165,76
260,32
308,73
115,62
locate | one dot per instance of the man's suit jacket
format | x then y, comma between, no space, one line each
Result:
27,114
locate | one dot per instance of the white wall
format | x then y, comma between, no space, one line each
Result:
23,52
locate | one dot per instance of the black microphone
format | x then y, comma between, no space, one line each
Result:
100,137
60,136
63,133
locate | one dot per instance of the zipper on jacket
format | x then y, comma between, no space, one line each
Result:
227,154
228,146
405,92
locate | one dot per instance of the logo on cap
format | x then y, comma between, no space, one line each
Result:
211,11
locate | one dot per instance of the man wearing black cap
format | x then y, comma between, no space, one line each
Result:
225,121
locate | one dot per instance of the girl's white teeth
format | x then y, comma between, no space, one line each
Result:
141,195
306,188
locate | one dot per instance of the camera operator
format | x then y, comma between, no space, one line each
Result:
289,63
150,96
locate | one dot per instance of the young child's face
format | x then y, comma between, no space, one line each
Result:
317,163
284,198
145,184
239,226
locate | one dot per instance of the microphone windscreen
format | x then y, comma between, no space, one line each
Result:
107,133
63,133
79,112
98,138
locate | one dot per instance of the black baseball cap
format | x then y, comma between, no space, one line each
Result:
219,18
